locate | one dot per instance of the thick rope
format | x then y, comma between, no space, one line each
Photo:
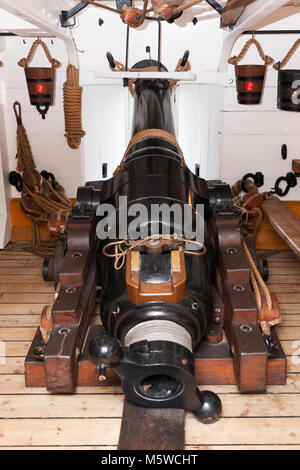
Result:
119,253
119,67
24,152
145,134
51,201
290,53
179,68
266,326
38,42
236,59
72,108
258,277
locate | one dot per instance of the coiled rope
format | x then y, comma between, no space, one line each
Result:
121,247
72,108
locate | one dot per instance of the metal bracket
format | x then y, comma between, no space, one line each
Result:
216,6
66,15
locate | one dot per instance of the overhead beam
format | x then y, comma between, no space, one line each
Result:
42,15
252,15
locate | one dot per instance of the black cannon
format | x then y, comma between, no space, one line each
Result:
176,302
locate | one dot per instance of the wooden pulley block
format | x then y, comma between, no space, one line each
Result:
132,17
46,319
264,314
252,199
296,166
29,207
46,323
33,179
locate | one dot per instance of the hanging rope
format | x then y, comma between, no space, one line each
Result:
145,134
258,279
47,201
72,108
121,248
259,284
38,42
236,59
24,152
288,56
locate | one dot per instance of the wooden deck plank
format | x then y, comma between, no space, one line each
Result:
44,288
105,431
109,405
91,418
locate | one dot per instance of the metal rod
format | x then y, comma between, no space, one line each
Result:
127,48
216,6
273,31
159,44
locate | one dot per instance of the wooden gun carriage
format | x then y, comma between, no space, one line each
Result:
207,297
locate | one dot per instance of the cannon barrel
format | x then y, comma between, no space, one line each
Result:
157,303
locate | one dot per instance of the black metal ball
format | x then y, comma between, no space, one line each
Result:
210,408
105,351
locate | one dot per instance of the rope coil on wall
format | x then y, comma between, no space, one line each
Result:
72,108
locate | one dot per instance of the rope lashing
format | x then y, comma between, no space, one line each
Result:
167,9
236,59
120,252
257,284
119,67
24,152
267,325
288,56
249,208
38,42
145,134
72,108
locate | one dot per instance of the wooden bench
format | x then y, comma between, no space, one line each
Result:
284,221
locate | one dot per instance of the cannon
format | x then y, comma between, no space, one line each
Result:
176,303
